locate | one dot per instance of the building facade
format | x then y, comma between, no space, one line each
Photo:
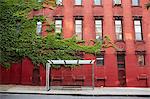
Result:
127,24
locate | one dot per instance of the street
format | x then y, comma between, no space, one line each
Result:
28,96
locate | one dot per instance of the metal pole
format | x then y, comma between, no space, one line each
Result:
47,76
93,76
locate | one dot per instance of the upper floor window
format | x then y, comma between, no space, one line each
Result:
97,2
117,2
40,1
118,29
98,29
78,2
58,26
39,28
18,26
138,30
78,28
59,2
135,2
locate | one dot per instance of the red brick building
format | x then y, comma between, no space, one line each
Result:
127,24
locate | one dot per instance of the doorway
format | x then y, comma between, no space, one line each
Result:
121,69
36,76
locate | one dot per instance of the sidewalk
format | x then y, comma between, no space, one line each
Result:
85,91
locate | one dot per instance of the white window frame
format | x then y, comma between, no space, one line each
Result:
118,29
78,28
135,4
99,29
59,2
117,2
40,1
100,58
77,2
58,26
99,2
39,28
138,30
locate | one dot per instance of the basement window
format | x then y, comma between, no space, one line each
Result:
121,59
100,59
140,57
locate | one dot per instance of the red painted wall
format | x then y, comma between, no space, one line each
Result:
108,72
5,75
0,75
15,73
42,75
27,72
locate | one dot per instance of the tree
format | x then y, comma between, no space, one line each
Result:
19,39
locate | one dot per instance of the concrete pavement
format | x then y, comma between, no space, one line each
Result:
84,91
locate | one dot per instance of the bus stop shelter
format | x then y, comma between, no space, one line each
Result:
67,62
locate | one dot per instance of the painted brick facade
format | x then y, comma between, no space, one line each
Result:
109,75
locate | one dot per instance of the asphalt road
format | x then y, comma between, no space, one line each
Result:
25,96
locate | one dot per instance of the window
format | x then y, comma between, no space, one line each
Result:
98,29
78,29
40,1
78,2
140,57
59,2
118,29
97,2
58,26
117,2
39,28
138,30
121,60
18,26
135,2
100,59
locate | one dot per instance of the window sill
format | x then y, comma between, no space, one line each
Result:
117,5
140,41
99,65
59,5
78,5
138,6
97,5
142,66
120,41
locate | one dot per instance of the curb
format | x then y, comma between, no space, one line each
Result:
38,93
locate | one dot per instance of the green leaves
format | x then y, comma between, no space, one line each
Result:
19,39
